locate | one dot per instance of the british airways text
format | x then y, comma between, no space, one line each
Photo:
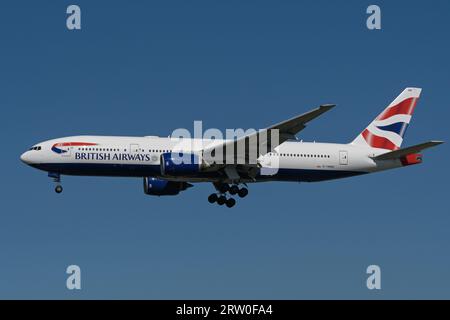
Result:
113,157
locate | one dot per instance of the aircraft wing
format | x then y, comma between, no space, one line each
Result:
261,142
406,151
289,128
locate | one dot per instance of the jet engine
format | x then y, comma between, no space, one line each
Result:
159,187
180,164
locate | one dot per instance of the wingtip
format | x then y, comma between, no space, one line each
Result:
436,142
327,106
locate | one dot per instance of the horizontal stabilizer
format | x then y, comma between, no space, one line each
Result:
406,151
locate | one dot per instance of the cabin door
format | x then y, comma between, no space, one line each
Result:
343,157
134,148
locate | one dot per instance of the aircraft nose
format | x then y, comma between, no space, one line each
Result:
25,157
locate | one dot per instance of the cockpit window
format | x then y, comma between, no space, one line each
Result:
35,148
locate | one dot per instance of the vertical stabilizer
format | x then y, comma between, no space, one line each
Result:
388,129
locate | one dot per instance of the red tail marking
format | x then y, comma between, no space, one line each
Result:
377,141
405,107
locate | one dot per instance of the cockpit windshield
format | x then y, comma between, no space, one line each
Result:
35,148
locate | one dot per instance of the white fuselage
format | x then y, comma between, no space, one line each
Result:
140,157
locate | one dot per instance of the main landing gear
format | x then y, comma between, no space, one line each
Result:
222,199
57,179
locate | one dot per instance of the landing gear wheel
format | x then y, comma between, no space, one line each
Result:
224,188
243,192
230,203
221,200
234,189
58,189
212,198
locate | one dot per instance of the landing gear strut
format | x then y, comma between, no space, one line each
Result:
56,178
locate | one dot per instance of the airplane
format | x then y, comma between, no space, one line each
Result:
376,148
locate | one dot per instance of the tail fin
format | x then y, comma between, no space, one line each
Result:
388,129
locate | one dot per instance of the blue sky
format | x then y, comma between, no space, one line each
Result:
146,68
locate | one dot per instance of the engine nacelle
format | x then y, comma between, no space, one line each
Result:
159,187
180,164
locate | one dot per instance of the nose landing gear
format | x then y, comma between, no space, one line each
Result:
56,178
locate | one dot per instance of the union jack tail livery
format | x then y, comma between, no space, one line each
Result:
388,129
